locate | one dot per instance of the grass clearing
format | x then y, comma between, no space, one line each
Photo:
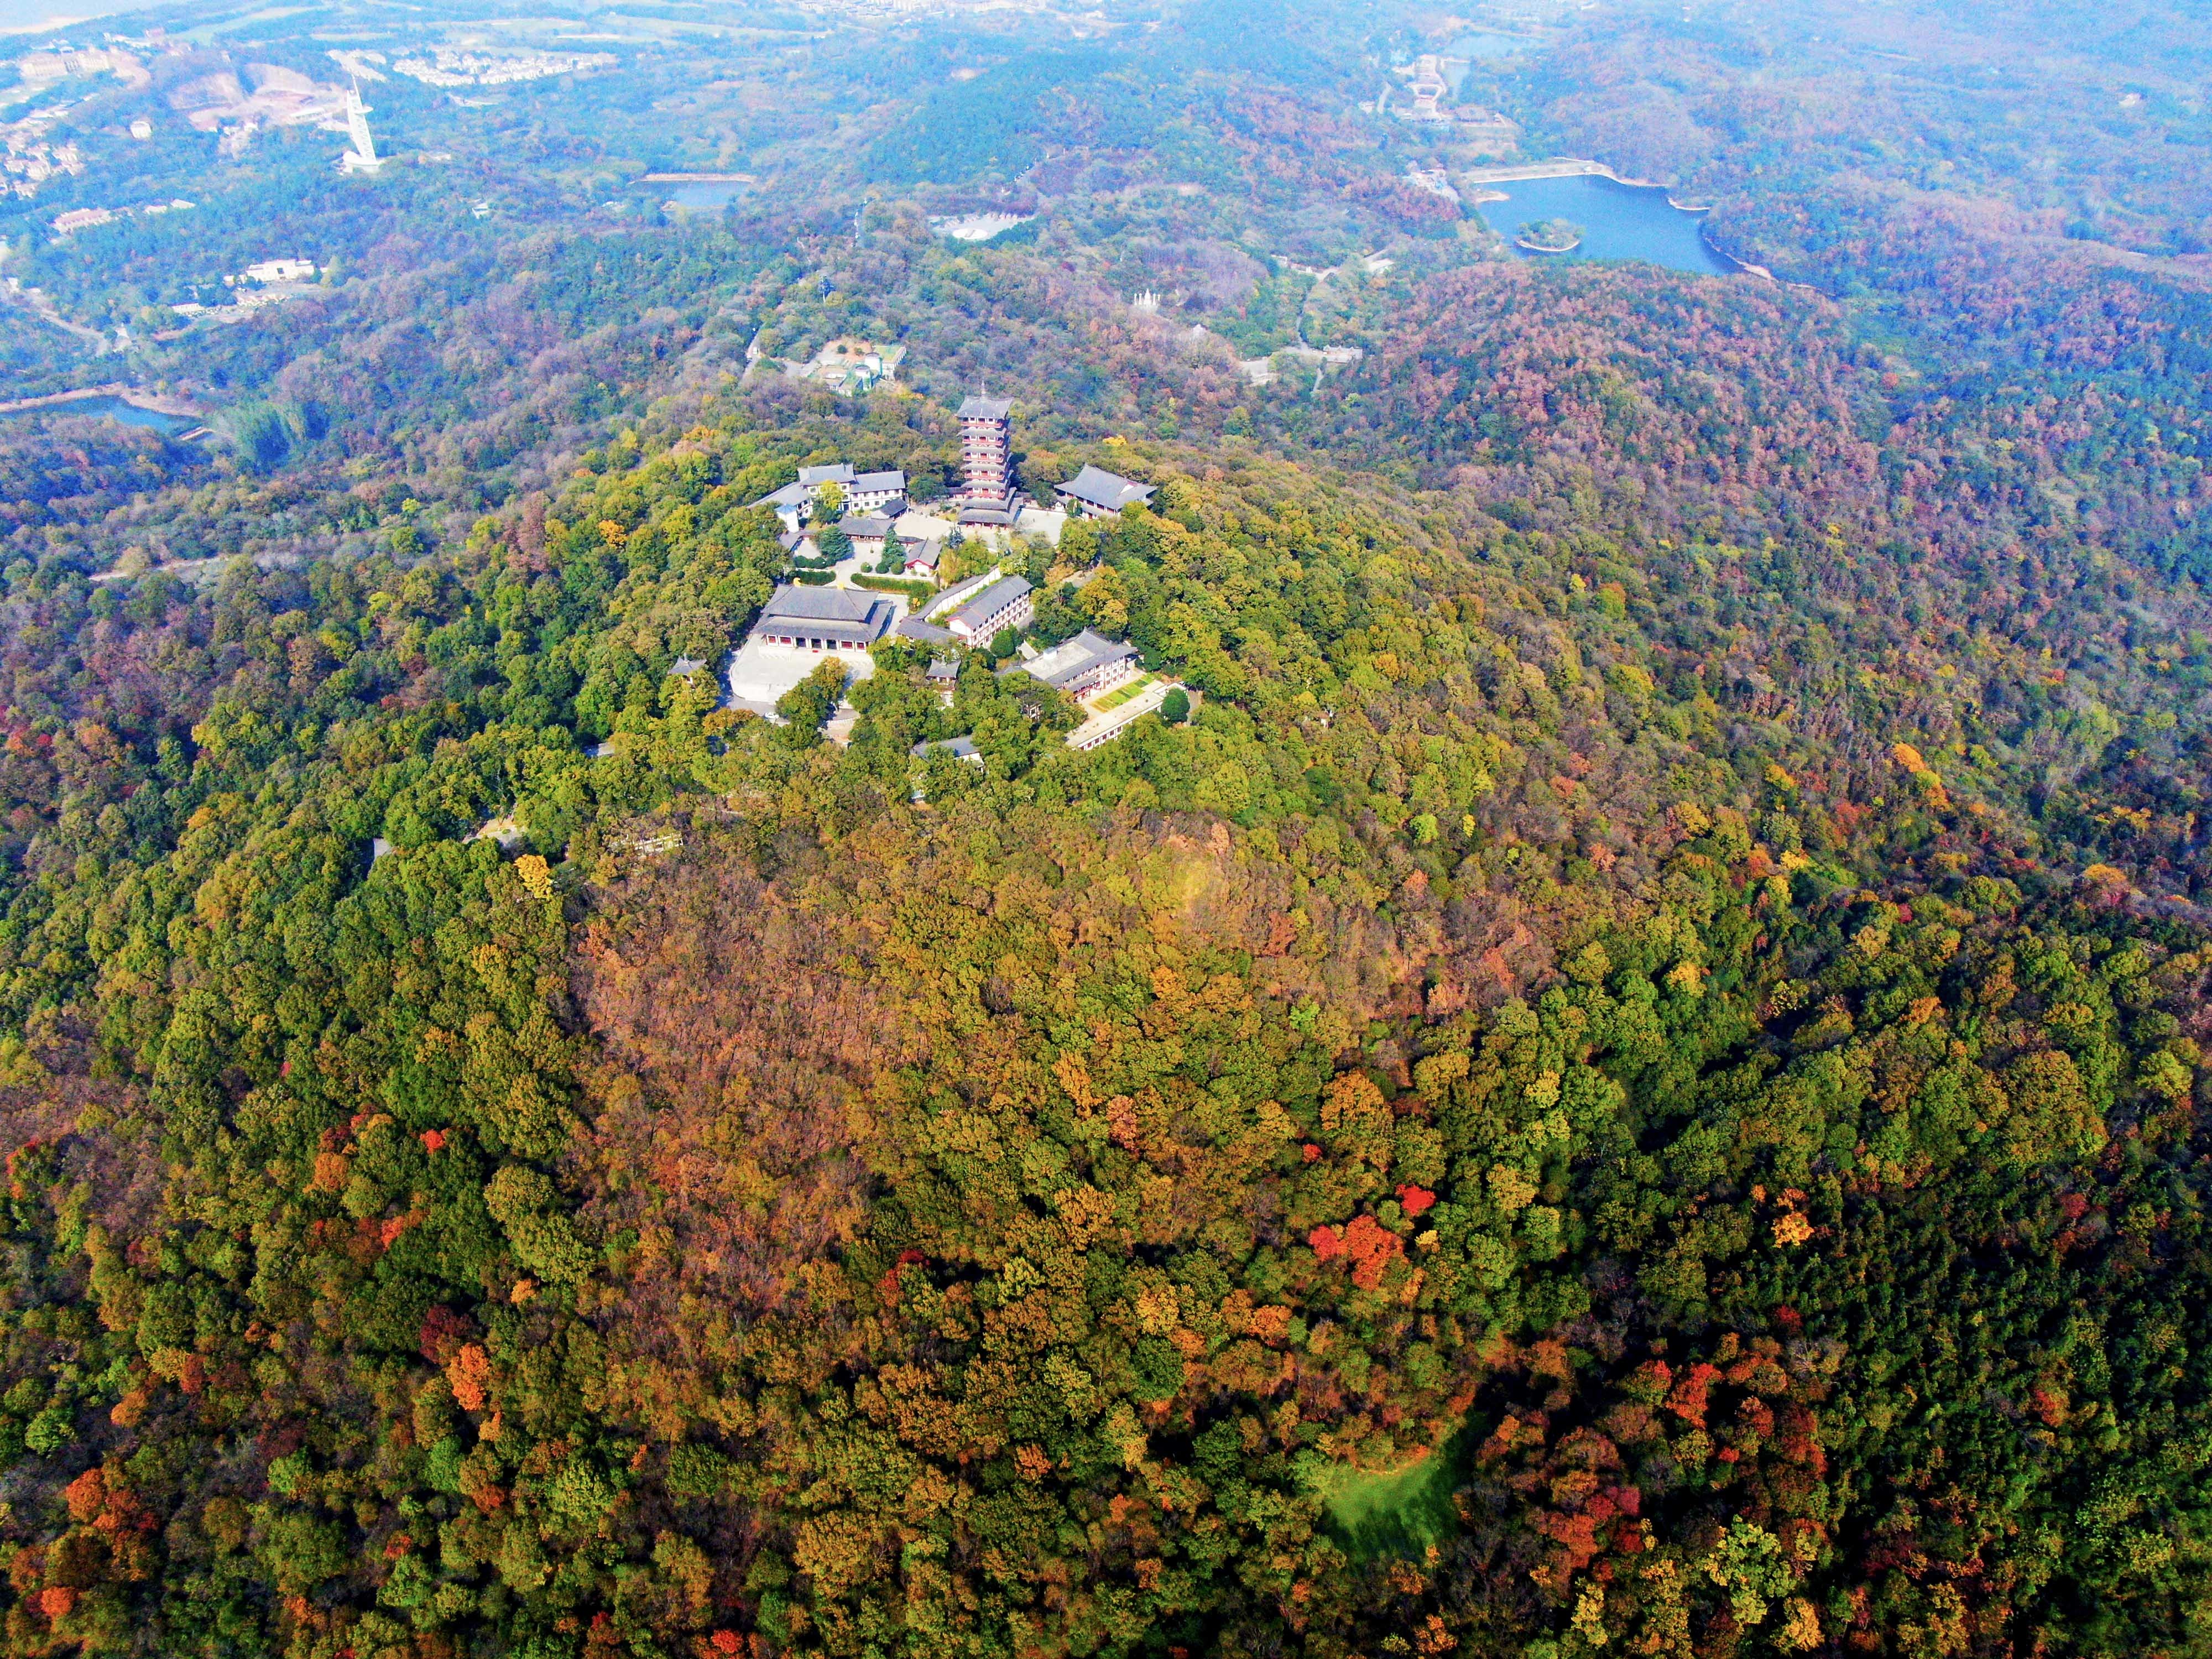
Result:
1398,1512
1113,700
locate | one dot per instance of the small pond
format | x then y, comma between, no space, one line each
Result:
1618,221
704,196
113,409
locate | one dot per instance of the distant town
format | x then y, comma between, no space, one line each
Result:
236,104
461,66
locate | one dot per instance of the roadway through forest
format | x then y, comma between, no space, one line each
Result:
44,309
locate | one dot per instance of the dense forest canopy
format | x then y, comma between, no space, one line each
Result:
1619,1072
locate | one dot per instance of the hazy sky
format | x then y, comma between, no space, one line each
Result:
46,13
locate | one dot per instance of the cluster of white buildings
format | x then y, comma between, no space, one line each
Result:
274,271
26,159
1080,22
1432,181
851,367
46,69
77,219
29,160
803,623
266,283
1429,78
988,499
874,514
449,66
970,615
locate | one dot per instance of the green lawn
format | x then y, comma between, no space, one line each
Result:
1398,1512
1113,700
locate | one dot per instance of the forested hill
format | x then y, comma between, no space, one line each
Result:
1492,1139
1622,1073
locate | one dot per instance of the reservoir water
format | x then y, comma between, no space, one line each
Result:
1618,221
113,409
705,195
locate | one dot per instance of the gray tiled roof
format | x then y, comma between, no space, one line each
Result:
987,409
993,599
1071,659
953,598
802,604
1109,491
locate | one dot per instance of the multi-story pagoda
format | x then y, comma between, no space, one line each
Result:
987,453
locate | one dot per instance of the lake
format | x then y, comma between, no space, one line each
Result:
1618,221
113,409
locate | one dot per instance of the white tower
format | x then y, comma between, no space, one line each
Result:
363,157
